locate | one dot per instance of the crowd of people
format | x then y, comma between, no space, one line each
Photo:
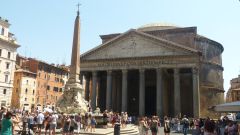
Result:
185,125
36,122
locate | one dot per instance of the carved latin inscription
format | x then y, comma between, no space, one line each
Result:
135,63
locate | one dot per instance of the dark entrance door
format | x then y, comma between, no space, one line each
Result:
150,100
133,92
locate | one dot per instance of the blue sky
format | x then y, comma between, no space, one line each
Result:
44,28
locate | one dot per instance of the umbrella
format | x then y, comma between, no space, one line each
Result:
48,110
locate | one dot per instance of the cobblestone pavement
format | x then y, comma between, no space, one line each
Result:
149,133
111,129
161,132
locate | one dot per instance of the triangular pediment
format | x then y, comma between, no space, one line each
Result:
137,44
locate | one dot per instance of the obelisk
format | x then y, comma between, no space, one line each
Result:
72,100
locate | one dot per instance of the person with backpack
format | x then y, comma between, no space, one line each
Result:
185,124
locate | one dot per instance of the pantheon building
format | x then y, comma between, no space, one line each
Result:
157,69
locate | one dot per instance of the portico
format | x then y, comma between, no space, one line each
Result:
144,86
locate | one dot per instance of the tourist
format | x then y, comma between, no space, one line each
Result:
154,125
230,129
114,119
142,126
53,123
93,124
66,125
30,122
185,122
105,119
197,129
78,121
124,118
7,124
201,126
235,124
85,123
25,121
61,118
209,127
146,125
40,119
88,122
72,125
15,121
3,112
47,121
166,127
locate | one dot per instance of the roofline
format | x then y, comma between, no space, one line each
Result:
200,37
143,34
25,71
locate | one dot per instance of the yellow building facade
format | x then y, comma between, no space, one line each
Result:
24,92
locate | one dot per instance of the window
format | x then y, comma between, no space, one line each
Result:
34,83
25,99
55,89
26,90
60,89
7,65
9,55
2,32
5,91
3,103
0,52
27,82
39,74
17,90
33,92
6,78
48,87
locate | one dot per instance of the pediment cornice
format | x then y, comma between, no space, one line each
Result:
163,42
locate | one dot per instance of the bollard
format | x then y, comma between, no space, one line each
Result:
117,129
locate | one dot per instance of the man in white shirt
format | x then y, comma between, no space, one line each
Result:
40,119
53,123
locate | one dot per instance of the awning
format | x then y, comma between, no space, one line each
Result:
227,107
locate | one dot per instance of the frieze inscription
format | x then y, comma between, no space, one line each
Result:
135,63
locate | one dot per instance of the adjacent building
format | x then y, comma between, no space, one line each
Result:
24,91
233,93
50,80
8,47
157,69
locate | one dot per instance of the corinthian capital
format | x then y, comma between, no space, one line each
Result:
195,70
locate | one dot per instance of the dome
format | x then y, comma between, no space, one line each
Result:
157,26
